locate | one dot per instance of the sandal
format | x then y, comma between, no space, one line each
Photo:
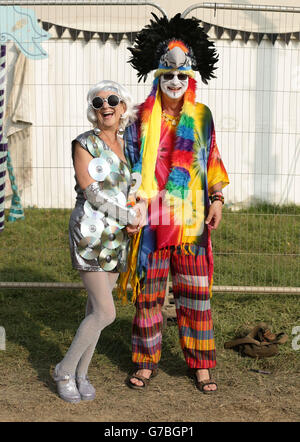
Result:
141,378
202,384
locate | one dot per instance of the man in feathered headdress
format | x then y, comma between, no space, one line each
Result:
172,145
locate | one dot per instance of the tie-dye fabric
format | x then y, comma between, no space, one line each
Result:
206,170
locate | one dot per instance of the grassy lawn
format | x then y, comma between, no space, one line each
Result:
258,246
254,247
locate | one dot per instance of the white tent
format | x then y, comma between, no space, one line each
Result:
254,100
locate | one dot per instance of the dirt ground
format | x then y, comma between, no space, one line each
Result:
38,341
243,396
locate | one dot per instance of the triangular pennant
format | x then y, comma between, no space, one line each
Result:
296,35
286,37
206,26
258,36
272,37
117,36
104,36
60,30
232,33
88,35
245,36
46,26
74,33
219,30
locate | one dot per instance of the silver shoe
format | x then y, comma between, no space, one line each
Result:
85,388
66,387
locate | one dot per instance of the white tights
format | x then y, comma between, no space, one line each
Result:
100,312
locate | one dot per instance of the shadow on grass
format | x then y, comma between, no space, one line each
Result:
115,343
40,325
38,321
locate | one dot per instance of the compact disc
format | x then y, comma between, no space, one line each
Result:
89,247
112,237
111,159
94,145
91,227
114,183
136,180
108,259
112,222
121,199
122,261
122,252
98,169
92,212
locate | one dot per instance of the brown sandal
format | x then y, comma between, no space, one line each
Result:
141,378
202,384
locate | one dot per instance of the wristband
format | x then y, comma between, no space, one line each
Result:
216,196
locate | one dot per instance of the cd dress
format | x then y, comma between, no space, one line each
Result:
98,242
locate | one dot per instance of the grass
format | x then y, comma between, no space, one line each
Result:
258,246
252,247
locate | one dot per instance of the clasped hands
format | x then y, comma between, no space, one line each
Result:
141,208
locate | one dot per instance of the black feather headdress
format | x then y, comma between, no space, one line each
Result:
152,41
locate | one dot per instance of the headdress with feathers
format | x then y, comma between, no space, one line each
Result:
151,44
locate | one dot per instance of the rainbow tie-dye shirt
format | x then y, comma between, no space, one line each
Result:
165,228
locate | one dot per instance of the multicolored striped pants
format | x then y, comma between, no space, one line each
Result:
189,270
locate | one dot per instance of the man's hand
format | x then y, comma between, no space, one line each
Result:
214,215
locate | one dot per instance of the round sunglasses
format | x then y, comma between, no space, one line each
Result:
170,76
111,100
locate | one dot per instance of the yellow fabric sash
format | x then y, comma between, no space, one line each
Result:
151,135
130,276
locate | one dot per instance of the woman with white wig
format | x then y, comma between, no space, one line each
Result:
97,229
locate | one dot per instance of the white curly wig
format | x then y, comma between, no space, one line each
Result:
106,85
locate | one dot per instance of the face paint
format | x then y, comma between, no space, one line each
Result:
174,88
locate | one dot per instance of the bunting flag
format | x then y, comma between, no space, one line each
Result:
218,30
88,35
3,141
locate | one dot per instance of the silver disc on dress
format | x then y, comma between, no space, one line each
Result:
98,169
114,183
122,258
94,145
89,247
108,259
112,237
111,159
91,227
112,222
136,181
92,212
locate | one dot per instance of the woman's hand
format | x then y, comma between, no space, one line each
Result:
214,215
141,209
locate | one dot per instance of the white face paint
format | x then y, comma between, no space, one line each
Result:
175,87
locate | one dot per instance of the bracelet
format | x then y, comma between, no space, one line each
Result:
216,196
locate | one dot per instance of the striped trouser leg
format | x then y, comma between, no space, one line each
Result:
147,323
189,270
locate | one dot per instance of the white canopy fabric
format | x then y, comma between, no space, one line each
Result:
119,18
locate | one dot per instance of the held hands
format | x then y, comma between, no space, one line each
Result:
141,209
214,215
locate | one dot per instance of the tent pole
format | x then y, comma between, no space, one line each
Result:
3,140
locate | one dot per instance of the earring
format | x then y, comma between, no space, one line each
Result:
97,130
